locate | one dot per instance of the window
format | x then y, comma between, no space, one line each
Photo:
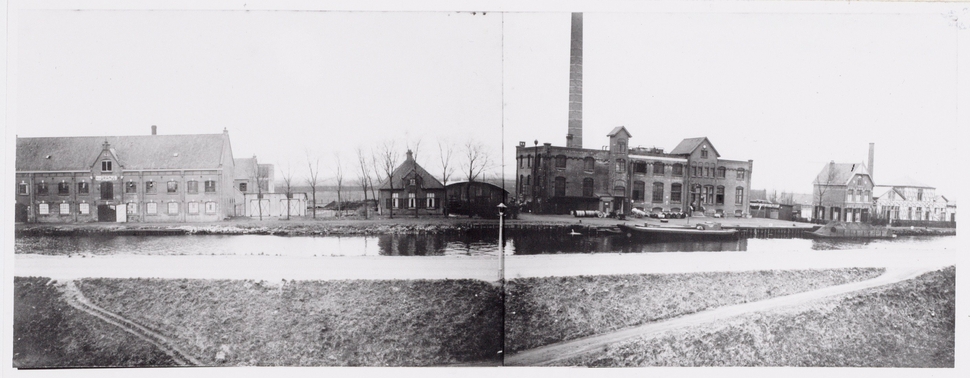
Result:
150,187
192,187
619,191
411,200
431,201
395,200
242,187
528,180
588,164
193,208
131,187
412,182
23,189
43,209
719,197
919,195
521,162
740,174
210,207
151,208
675,192
620,165
132,208
42,188
640,167
704,154
658,169
528,160
173,187
561,161
83,187
638,190
850,197
739,195
708,193
84,208
560,189
63,188
173,208
105,165
587,187
693,170
658,192
210,186
621,146
678,170
65,209
721,172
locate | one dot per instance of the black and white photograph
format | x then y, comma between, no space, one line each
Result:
490,188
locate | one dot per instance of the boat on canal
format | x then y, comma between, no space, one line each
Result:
836,230
699,230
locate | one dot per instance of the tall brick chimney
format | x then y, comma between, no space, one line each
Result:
575,136
154,129
872,155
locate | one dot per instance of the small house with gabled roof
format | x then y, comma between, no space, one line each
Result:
843,192
411,191
144,178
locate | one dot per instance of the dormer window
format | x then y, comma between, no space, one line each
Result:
106,166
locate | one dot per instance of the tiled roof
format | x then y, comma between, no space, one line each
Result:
133,152
687,146
840,173
617,129
430,182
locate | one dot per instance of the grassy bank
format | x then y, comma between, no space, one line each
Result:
541,311
50,333
907,324
314,323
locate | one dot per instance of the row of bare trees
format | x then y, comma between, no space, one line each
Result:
376,166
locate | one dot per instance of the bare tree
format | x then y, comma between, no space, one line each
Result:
822,185
445,151
386,159
287,174
260,180
475,160
338,172
363,176
313,179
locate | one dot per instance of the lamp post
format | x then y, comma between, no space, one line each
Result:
501,242
535,177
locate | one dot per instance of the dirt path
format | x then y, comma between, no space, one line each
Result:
556,352
76,299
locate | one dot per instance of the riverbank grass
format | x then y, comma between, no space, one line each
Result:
542,311
314,323
906,324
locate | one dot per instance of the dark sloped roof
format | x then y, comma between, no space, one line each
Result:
617,129
405,168
687,146
840,173
133,152
463,183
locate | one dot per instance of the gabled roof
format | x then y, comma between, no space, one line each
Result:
687,146
616,130
881,190
200,151
840,173
906,182
463,183
406,168
244,168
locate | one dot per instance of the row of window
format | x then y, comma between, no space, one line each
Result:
83,187
412,201
858,196
151,208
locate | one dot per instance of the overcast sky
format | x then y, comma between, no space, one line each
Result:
790,90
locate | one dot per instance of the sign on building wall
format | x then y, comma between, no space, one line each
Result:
105,178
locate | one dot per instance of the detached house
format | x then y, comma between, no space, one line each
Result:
150,178
843,192
411,190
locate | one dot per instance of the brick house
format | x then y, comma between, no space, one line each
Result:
415,191
910,200
151,178
843,192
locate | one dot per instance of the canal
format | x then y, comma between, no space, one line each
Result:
469,243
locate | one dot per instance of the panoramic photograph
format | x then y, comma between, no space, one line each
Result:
672,186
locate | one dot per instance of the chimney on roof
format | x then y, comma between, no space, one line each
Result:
154,129
410,156
574,138
872,156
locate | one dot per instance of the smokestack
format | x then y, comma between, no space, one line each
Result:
872,155
154,129
575,136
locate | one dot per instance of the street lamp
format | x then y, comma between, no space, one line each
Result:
535,177
501,241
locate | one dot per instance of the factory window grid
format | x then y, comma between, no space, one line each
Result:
721,172
192,187
173,208
658,192
676,190
638,190
84,208
150,187
131,187
172,187
65,208
63,188
43,209
83,187
151,208
678,170
640,167
210,207
560,187
739,195
193,208
658,168
42,188
620,166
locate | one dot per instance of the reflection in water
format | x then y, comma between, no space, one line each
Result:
469,243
